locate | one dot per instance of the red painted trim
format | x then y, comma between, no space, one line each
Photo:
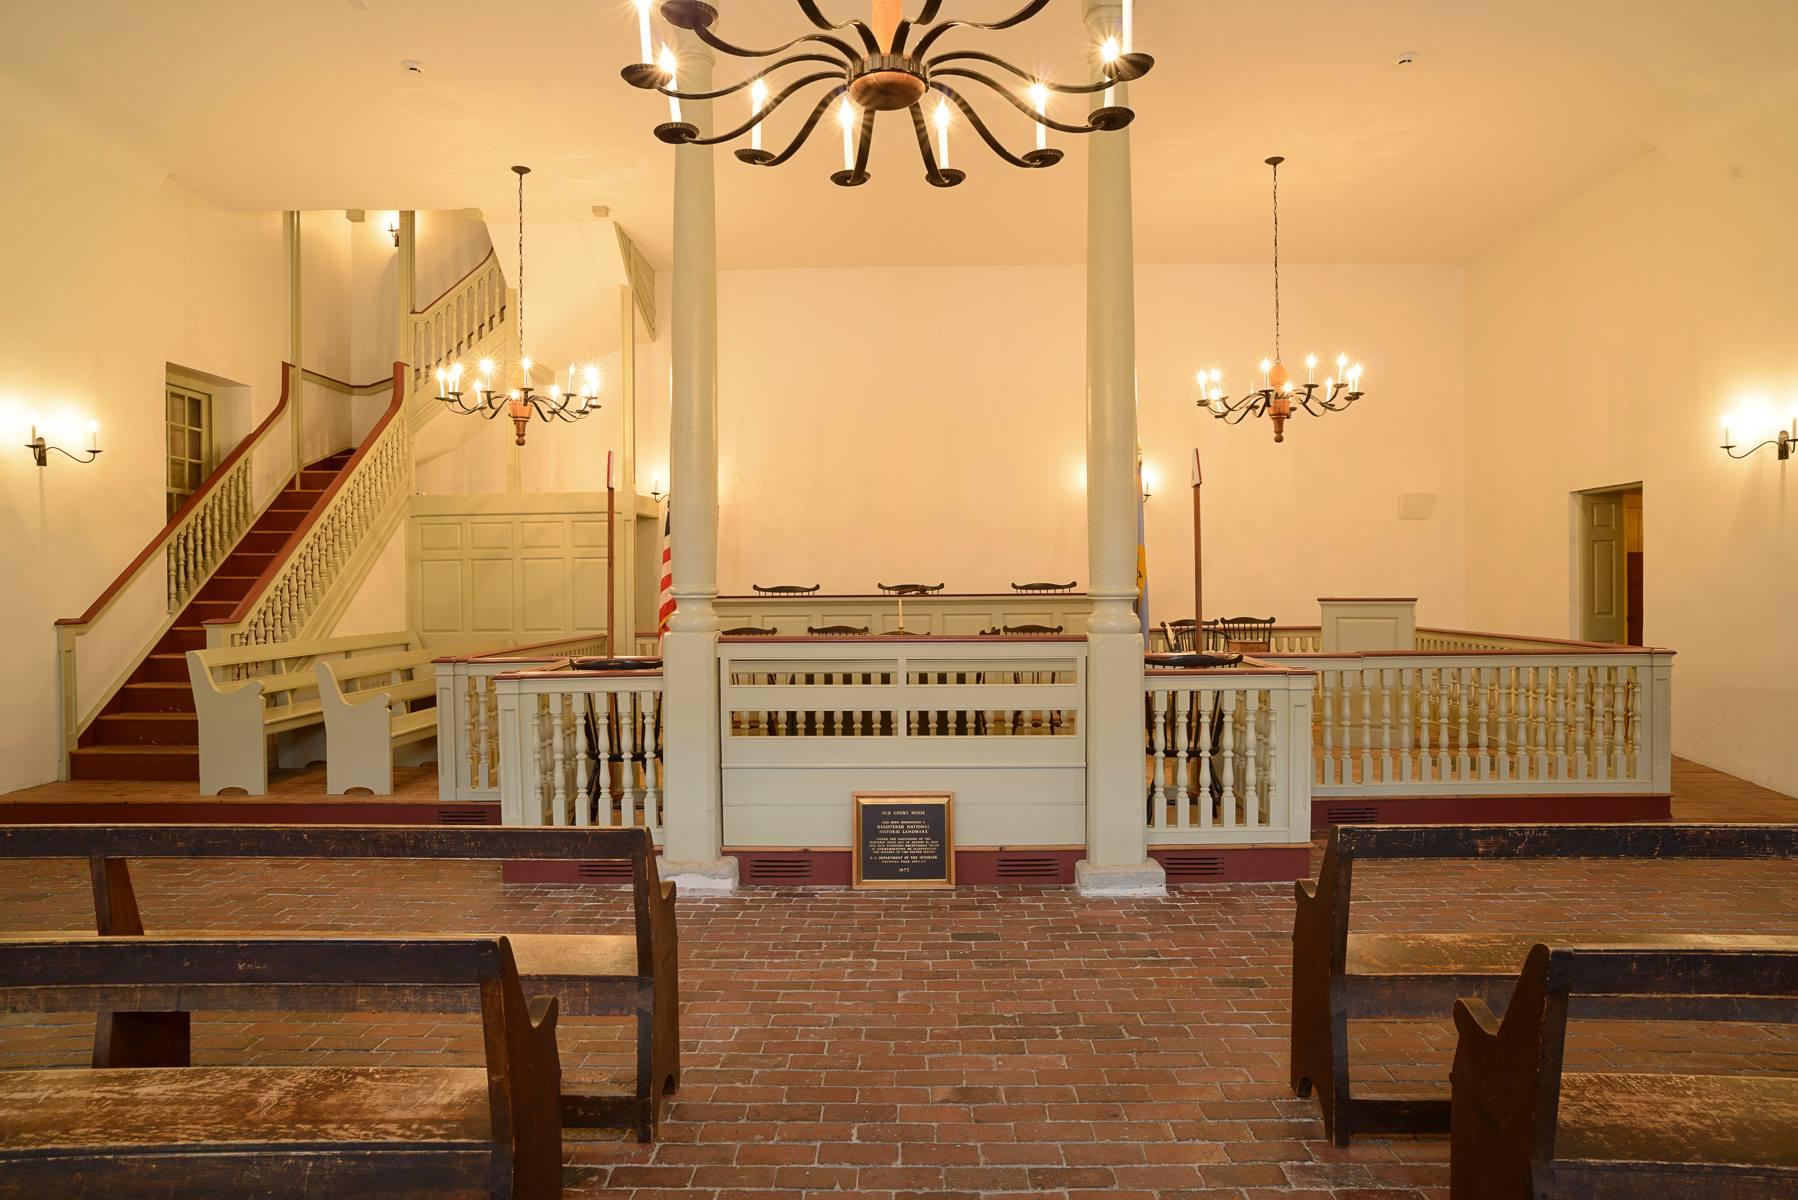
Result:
246,812
1479,810
1243,864
470,274
908,638
292,544
187,506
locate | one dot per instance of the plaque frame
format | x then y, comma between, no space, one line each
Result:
864,799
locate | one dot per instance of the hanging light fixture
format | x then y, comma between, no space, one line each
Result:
885,65
1279,392
521,402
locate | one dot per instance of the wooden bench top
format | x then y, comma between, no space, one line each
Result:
1725,1120
60,1111
1499,954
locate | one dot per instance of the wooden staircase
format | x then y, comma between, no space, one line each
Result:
148,731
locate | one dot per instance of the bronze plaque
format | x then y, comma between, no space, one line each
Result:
904,840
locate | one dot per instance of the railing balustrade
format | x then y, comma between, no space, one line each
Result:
294,588
1228,754
466,322
140,605
580,748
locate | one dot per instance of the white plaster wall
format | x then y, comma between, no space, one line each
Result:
1604,343
928,424
116,272
447,246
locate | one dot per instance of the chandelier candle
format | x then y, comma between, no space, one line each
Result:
643,28
886,64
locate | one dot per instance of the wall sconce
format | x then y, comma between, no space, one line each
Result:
1146,474
393,228
655,490
40,450
1782,442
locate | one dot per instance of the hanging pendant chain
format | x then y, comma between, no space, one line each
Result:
521,345
1276,268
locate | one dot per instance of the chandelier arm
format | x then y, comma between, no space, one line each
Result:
928,13
986,135
849,53
865,142
805,130
1023,14
817,17
734,88
1021,106
757,117
932,171
1070,89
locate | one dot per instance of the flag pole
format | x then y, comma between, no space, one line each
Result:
1198,557
611,562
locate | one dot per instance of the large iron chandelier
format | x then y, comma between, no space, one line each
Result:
885,65
1279,392
521,402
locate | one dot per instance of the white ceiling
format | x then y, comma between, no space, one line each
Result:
1512,107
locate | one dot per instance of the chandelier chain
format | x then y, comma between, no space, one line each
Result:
1276,269
521,342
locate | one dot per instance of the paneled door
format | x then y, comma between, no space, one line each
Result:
1603,580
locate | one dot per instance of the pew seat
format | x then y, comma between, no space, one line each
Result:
368,713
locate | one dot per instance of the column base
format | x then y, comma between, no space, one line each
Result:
715,878
1144,880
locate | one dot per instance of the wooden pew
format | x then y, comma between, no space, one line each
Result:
244,695
367,722
632,975
1338,976
1524,1128
282,1132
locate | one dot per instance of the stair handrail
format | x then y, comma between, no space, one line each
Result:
191,544
450,326
287,593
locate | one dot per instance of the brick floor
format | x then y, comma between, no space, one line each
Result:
992,1042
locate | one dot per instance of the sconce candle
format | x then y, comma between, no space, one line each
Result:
40,448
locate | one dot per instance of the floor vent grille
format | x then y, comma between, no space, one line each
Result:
1036,868
1181,866
1351,814
796,869
614,871
461,816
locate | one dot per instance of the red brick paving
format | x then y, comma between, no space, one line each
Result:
991,1042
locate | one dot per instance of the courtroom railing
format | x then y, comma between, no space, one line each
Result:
468,745
580,748
1228,754
458,326
140,605
1538,717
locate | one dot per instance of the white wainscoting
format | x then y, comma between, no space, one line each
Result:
495,570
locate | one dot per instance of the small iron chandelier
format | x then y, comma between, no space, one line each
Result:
521,402
887,72
1279,393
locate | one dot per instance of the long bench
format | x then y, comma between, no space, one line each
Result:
1526,1128
372,717
632,975
282,1133
245,695
1338,976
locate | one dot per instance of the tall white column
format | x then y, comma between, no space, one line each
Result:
1117,861
692,847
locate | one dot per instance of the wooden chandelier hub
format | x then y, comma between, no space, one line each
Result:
886,83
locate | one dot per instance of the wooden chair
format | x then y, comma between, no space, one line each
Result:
1242,635
1031,630
785,589
1043,588
1179,636
130,1131
750,631
837,630
910,589
632,975
1338,976
1525,1127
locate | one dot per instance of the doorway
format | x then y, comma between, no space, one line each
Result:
1609,565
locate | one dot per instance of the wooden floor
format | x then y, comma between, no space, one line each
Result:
1699,793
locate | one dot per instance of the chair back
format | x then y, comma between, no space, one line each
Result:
1246,635
837,630
785,589
749,631
1038,630
1038,588
1179,636
909,589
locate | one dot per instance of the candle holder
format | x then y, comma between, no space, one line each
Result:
1782,444
40,452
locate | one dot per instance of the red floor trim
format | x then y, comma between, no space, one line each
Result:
1453,810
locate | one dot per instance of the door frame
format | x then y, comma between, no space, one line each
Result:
1576,589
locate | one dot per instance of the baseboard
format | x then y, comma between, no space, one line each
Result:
1473,810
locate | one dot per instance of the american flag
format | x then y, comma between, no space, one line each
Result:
667,606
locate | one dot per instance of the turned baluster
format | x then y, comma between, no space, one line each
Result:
1444,700
1158,742
1367,700
1182,795
1406,765
1558,693
1464,695
1252,799
1330,771
1228,702
476,704
652,761
1206,706
1388,678
586,758
1582,719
